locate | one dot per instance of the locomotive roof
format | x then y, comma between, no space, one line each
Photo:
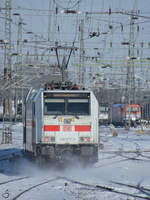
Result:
68,91
34,93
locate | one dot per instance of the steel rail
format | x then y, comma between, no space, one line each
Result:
13,180
107,188
34,186
138,187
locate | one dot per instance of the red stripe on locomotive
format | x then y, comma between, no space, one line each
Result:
82,128
51,128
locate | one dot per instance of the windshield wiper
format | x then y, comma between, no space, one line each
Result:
55,116
76,116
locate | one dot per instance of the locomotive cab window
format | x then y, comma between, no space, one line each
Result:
132,109
54,107
78,107
67,104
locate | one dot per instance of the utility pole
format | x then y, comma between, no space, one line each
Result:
36,50
132,45
130,94
50,25
7,103
19,63
50,19
81,66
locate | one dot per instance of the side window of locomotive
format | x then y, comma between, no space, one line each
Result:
54,107
78,107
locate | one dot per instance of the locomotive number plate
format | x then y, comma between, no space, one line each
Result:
67,121
67,128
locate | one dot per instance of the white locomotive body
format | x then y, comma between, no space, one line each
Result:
61,123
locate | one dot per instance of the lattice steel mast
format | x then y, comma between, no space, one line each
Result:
130,80
81,66
7,60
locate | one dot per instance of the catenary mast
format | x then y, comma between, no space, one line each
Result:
7,61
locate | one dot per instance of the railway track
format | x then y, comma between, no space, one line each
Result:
122,156
113,189
130,149
138,187
8,193
138,192
34,186
81,189
14,180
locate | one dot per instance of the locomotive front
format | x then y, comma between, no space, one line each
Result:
64,125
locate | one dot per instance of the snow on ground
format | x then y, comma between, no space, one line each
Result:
125,158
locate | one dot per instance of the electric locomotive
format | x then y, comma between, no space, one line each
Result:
61,123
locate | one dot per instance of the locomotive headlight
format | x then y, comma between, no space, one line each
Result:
72,119
49,139
61,119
